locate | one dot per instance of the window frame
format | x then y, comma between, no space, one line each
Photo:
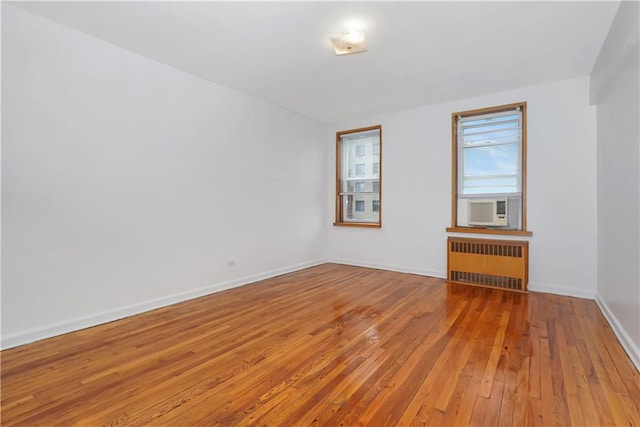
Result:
338,201
455,175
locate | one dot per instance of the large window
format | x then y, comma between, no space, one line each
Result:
358,177
489,170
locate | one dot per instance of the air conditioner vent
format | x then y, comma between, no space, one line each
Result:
490,212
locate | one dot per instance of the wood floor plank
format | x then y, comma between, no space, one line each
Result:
492,364
332,345
492,415
440,373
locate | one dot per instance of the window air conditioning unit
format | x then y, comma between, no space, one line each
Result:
488,212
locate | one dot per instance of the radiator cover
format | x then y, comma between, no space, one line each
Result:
502,264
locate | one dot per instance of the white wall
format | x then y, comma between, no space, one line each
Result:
416,189
128,185
615,91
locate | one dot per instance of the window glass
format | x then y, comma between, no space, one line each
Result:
490,169
358,174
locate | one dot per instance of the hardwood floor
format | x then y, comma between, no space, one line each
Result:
333,345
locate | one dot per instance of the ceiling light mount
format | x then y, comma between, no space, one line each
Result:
349,42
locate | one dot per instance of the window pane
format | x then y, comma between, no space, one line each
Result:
357,164
491,160
375,205
494,137
491,169
490,185
491,123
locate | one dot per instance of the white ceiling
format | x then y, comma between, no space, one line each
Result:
419,52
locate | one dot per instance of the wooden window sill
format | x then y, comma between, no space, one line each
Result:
357,224
476,230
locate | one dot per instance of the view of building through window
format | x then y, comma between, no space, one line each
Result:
358,163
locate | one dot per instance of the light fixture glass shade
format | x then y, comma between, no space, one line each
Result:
349,42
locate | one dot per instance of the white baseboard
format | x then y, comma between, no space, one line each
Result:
561,290
632,349
77,323
391,267
534,287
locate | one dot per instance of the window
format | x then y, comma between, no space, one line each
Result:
489,169
358,177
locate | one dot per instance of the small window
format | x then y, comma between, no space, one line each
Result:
358,176
489,168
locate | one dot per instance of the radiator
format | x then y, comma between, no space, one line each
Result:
500,264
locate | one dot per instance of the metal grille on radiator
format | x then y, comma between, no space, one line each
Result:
475,247
487,280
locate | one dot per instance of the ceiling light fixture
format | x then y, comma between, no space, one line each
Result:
349,42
